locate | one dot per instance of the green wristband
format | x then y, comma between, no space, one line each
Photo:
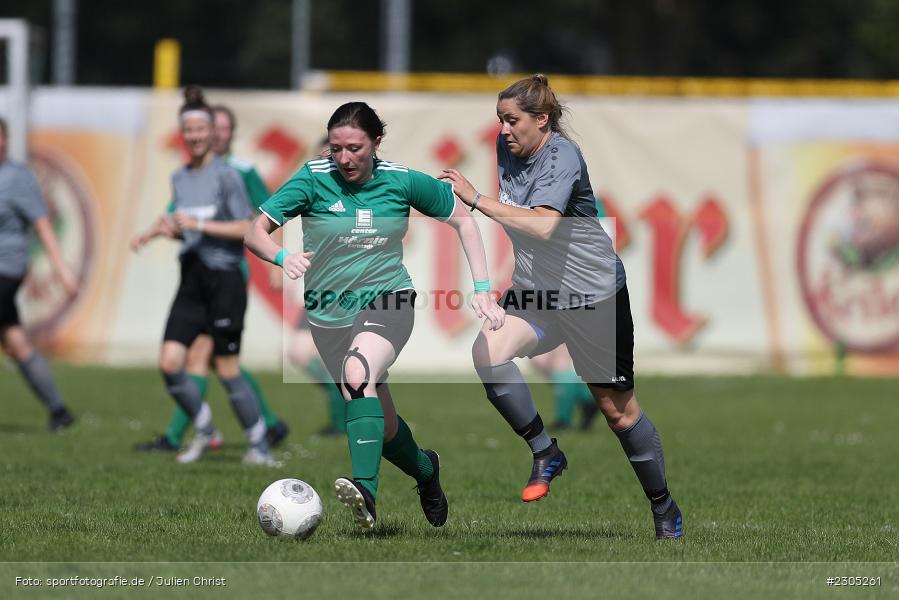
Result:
280,256
481,286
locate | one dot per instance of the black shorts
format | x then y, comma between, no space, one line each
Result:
390,316
208,301
9,314
599,336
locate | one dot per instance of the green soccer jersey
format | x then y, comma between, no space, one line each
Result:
355,231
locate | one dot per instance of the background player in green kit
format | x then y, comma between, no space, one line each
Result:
359,296
201,350
211,215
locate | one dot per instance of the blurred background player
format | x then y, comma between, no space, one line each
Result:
211,215
547,207
569,392
355,210
303,354
200,355
21,209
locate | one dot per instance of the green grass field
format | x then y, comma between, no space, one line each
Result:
783,482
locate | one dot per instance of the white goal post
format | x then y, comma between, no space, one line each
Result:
14,34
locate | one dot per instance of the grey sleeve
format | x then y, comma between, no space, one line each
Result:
237,201
28,197
555,183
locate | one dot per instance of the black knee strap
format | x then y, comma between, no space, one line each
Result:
360,391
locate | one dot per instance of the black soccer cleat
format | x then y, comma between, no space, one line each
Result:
158,444
60,419
548,464
433,500
669,524
275,434
358,499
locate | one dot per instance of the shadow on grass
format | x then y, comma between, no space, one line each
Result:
539,533
19,428
382,531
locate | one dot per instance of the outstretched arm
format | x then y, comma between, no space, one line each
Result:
469,234
229,230
48,239
161,227
539,222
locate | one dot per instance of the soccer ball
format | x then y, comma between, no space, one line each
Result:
289,508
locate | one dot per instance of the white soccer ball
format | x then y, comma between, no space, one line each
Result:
289,508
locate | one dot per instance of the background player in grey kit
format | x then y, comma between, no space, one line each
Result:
568,286
212,212
21,208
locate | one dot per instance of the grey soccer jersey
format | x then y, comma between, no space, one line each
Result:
21,204
577,264
213,193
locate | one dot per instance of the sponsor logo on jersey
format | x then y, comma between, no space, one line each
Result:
848,257
337,207
363,218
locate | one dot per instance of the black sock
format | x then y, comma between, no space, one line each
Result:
643,447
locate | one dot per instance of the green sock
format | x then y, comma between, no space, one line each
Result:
584,395
365,434
336,403
566,388
267,415
180,421
404,452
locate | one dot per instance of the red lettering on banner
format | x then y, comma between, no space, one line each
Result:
174,142
669,232
711,222
446,264
288,150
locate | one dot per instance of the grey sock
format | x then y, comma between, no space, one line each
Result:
37,373
511,396
187,395
246,407
643,447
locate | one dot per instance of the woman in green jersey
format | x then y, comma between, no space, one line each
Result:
358,294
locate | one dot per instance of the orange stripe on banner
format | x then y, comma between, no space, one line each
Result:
769,297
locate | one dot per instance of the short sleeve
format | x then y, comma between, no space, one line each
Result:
28,197
557,179
237,203
430,196
291,199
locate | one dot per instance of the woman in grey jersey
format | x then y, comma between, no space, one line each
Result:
21,209
568,286
212,213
